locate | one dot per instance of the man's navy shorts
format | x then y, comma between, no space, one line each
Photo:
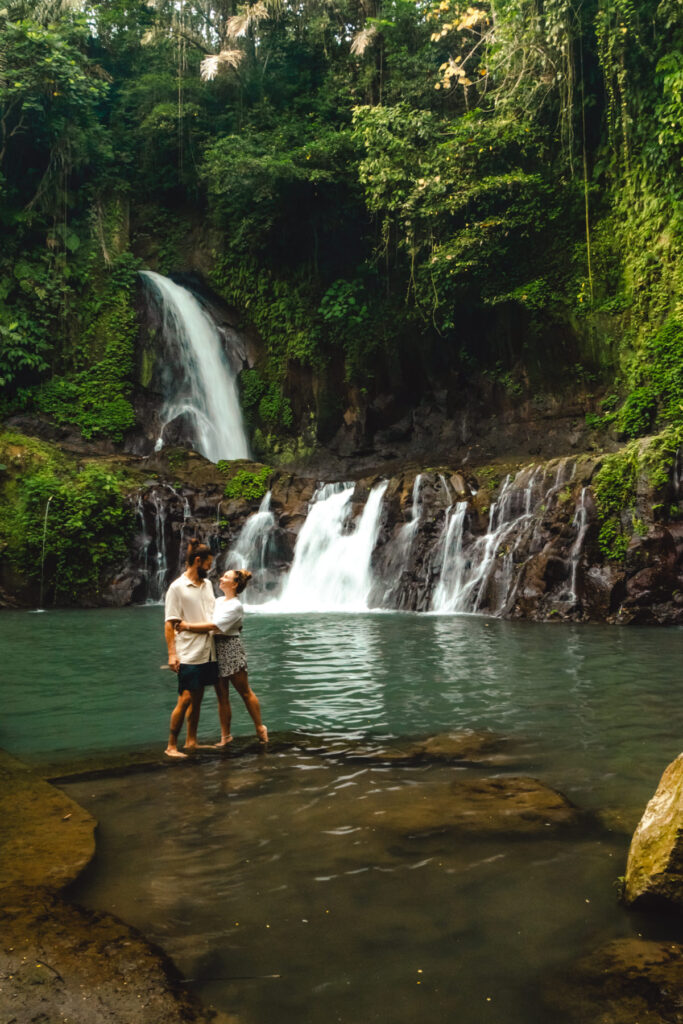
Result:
196,677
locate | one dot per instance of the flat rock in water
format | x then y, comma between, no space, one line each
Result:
464,745
505,804
45,838
629,981
654,872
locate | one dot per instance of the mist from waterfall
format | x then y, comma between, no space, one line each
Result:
331,571
203,385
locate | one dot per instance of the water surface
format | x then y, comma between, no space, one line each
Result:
271,878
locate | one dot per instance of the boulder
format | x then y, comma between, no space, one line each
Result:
654,871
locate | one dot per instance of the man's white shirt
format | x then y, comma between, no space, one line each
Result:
193,602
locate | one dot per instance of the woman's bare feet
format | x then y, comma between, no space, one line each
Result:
174,752
262,733
223,742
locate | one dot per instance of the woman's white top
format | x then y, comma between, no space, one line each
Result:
227,615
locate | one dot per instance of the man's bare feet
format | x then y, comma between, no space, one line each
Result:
262,733
223,742
174,752
191,747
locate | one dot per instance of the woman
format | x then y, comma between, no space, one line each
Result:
232,661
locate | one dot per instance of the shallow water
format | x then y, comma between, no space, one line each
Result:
265,875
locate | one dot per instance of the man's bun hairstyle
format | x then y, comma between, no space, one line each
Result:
196,549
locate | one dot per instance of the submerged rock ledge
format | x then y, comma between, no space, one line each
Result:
59,961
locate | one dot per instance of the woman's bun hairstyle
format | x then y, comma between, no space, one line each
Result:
243,577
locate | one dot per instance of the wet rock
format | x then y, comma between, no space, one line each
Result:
45,838
654,872
604,588
61,963
501,805
629,981
464,746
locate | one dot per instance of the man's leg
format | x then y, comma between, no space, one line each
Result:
177,719
222,689
241,683
193,717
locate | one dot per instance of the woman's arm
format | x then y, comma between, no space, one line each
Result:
195,627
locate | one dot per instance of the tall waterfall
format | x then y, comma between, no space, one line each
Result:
203,386
331,569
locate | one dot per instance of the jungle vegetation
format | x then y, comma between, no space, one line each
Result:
378,183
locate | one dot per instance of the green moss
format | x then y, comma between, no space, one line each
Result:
248,484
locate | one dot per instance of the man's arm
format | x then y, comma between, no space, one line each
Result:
169,634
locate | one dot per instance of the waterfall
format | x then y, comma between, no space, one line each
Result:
452,563
42,557
250,550
581,523
202,386
444,484
483,572
331,569
406,535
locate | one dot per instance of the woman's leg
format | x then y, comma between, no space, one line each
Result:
222,689
240,681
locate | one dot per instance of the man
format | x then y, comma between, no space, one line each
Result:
191,655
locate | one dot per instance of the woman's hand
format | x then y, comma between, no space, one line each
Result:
180,626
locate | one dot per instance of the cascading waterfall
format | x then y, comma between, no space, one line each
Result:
331,570
203,385
250,550
483,572
530,551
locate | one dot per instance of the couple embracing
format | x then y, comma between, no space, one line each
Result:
205,648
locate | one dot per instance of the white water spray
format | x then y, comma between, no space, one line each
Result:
331,571
204,386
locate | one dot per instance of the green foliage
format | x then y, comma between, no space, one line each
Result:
248,484
95,399
637,413
383,189
89,524
274,409
616,483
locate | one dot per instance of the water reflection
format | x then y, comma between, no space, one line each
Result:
335,678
